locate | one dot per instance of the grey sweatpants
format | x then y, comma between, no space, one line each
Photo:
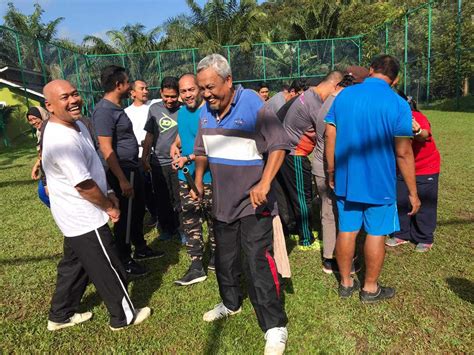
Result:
328,216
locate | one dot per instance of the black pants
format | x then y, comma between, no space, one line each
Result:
165,183
254,236
149,191
91,256
420,227
138,212
296,181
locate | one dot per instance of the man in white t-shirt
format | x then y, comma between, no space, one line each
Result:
138,114
81,205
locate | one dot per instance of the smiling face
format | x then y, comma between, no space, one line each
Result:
216,90
169,97
34,121
63,100
189,92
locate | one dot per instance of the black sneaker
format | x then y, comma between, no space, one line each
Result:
330,266
382,293
134,269
346,292
147,253
212,264
192,276
151,221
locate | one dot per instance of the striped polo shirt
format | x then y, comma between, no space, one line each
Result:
236,147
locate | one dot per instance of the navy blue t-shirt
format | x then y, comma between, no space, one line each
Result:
110,120
367,118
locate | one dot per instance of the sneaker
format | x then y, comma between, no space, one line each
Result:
393,242
140,315
330,266
423,247
294,237
382,293
276,341
75,319
212,264
151,221
132,268
192,276
315,245
147,253
346,292
218,312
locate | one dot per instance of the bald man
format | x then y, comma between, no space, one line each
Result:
81,205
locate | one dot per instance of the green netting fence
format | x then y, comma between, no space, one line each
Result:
432,42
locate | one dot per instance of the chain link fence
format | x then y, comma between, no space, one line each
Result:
430,42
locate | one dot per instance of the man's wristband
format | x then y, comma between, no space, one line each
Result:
417,133
110,191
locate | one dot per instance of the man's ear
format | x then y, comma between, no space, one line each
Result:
371,71
48,106
228,81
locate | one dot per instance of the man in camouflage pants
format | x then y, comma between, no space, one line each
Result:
193,213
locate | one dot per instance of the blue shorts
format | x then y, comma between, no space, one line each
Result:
376,219
42,194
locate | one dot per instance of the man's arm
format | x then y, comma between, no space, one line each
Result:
147,143
200,169
406,164
105,145
330,145
258,194
89,190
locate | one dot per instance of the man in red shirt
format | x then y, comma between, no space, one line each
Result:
419,228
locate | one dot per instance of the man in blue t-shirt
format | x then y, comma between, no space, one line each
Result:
193,214
373,126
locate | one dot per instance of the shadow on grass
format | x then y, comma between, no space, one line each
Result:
7,167
17,183
463,288
213,338
29,259
456,221
143,288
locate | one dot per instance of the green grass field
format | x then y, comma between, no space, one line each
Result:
432,313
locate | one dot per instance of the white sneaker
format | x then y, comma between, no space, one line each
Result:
276,341
75,319
218,312
140,315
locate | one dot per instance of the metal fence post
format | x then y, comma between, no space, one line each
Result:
405,56
20,63
332,54
428,67
458,54
386,37
43,70
194,61
264,63
298,58
60,62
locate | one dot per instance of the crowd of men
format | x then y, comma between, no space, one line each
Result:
211,151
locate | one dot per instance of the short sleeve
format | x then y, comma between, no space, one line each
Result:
104,123
272,132
403,127
150,123
199,148
70,158
331,115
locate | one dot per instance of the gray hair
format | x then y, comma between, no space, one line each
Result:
216,62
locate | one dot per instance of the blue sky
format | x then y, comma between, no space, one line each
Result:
95,17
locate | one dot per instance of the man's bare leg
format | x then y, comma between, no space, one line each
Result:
345,249
374,252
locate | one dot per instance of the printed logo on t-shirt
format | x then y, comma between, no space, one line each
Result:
239,121
166,123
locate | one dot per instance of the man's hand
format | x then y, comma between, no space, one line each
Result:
331,179
114,214
35,171
415,204
258,195
127,189
415,126
175,152
179,162
200,188
111,196
146,164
